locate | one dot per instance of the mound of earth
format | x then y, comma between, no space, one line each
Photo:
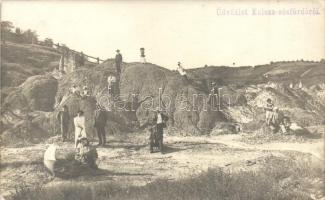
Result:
141,89
186,102
36,93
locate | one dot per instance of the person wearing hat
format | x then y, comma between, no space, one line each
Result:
142,56
118,61
80,127
160,121
100,123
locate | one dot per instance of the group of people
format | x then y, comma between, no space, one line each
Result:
85,154
156,128
275,119
297,86
80,93
119,60
100,119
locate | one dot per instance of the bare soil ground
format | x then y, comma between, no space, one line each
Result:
127,160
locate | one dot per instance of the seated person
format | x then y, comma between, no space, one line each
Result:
75,90
85,154
285,125
85,92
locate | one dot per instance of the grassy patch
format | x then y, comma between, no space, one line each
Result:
278,179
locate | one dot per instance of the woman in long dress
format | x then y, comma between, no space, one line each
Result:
80,128
50,158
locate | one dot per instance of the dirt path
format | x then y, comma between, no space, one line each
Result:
314,148
128,160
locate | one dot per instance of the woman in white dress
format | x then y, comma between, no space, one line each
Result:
80,128
50,158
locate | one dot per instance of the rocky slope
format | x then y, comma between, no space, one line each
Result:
145,87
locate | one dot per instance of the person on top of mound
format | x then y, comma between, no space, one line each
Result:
118,62
111,80
182,71
85,92
142,56
75,90
268,111
86,154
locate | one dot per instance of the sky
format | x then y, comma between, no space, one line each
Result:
196,33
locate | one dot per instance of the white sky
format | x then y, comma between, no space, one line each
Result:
173,31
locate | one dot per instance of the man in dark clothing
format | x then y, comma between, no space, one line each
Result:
142,56
64,118
160,123
118,61
100,123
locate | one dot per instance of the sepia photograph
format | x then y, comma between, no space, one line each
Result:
162,100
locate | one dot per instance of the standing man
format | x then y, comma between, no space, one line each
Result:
142,56
160,121
118,62
100,123
64,118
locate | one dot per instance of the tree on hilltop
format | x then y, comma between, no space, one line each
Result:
48,42
6,27
30,36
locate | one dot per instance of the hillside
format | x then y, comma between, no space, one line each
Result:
20,61
244,91
308,72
